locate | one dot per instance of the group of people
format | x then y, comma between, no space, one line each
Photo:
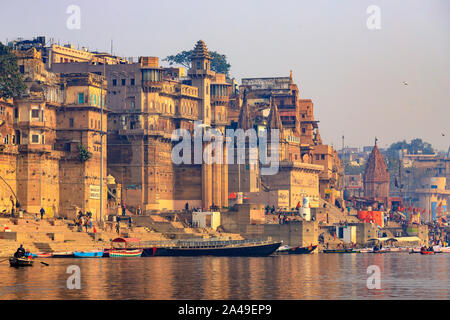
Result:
21,252
84,220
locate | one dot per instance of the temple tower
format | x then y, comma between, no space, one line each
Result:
376,177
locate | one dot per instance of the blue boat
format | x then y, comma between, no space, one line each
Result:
88,254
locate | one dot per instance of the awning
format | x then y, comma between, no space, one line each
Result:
232,196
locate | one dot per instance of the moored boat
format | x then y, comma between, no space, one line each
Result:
119,253
232,248
302,250
124,247
349,250
68,254
20,262
42,255
88,254
427,252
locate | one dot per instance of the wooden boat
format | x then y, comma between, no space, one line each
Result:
20,262
88,254
302,250
119,253
68,254
41,255
230,248
427,252
128,247
339,251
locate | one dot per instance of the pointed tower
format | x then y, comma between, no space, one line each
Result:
201,76
274,119
376,177
245,121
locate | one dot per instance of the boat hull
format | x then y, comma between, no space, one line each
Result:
41,255
124,253
339,251
62,255
88,254
226,251
301,250
20,262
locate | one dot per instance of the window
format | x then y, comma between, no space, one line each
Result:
80,98
123,82
132,81
71,122
16,112
35,138
22,69
199,65
322,156
43,139
35,113
114,82
303,130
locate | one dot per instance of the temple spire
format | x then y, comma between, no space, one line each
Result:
245,121
274,119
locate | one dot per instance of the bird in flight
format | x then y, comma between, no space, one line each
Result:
405,83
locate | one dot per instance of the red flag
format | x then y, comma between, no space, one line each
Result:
409,209
423,211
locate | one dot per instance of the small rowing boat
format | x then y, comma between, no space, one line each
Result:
88,254
20,262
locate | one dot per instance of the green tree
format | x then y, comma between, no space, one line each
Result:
219,61
11,80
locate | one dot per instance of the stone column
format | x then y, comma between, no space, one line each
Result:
224,186
217,184
207,180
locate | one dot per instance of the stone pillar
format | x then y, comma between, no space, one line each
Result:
224,186
207,179
217,184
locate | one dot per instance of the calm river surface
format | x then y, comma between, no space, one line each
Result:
316,276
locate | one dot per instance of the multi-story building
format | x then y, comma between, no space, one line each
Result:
147,103
55,140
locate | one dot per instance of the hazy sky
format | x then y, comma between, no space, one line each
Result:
353,75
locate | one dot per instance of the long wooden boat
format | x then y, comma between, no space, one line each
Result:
42,255
302,250
119,253
20,262
238,248
88,254
339,251
68,254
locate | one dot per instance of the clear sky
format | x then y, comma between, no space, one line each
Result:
354,75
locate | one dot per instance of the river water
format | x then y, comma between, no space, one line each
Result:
314,276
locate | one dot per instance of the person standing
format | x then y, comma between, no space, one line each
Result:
124,209
42,211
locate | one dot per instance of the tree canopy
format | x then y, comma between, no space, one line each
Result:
11,80
416,146
219,61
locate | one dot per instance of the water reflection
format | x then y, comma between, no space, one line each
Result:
317,276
